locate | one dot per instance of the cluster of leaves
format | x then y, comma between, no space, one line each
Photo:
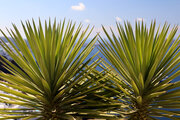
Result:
55,80
146,63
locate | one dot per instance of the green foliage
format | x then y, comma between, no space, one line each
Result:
146,61
52,81
55,80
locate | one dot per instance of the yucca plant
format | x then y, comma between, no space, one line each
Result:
52,80
145,61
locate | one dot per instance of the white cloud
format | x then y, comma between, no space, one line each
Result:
87,20
79,7
118,19
179,27
140,19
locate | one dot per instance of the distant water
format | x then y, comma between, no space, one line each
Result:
94,51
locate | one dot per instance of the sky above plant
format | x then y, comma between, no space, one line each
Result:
93,12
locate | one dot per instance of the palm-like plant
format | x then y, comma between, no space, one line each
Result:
51,82
146,61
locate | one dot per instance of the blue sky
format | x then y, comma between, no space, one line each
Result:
93,12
